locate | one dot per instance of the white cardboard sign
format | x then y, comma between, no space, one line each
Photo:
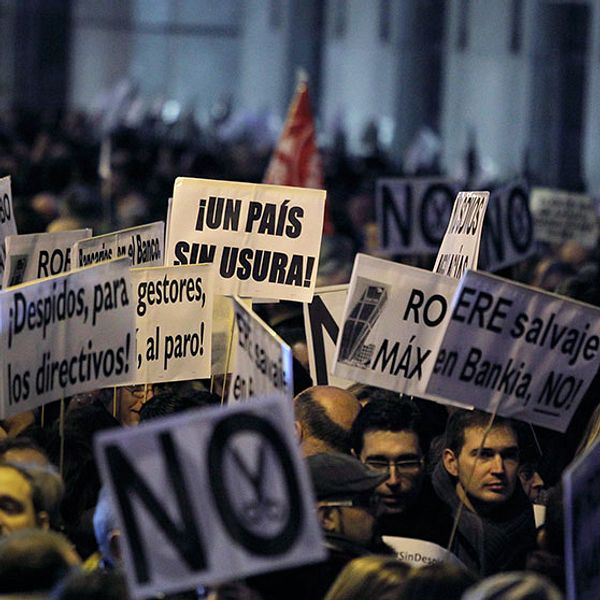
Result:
459,250
529,354
213,495
8,225
143,245
412,214
418,553
561,216
264,239
394,320
321,324
39,255
581,488
174,314
66,334
262,361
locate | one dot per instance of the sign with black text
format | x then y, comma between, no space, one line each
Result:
393,322
512,348
581,489
264,239
560,216
174,314
419,553
262,361
209,496
8,225
64,335
459,250
322,317
143,245
39,255
412,214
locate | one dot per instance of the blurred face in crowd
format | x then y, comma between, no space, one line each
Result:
352,519
16,502
131,400
397,453
486,477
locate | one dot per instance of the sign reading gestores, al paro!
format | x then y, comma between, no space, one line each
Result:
174,310
263,239
66,334
212,495
262,361
393,323
143,246
527,353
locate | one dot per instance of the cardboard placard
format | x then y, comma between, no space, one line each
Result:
529,354
419,553
174,315
264,239
8,225
39,255
209,496
66,334
262,361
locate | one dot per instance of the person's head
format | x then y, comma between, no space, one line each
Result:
169,403
34,561
323,418
387,436
131,398
23,451
531,482
438,581
513,585
372,577
21,500
96,585
344,490
483,460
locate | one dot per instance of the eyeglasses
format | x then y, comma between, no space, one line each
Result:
401,466
360,501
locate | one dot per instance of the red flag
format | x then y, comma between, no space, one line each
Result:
296,160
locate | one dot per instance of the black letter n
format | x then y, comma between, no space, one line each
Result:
184,535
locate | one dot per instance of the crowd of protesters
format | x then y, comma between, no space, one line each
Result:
381,463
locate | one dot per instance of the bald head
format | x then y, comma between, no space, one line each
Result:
324,415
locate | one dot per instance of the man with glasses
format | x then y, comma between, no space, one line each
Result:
478,480
390,439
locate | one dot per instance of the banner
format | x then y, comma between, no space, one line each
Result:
143,245
412,214
264,240
39,255
321,324
560,216
459,250
174,314
64,335
262,361
209,496
529,354
581,489
393,323
508,228
418,553
8,225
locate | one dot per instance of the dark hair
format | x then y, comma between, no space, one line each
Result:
319,424
169,403
20,443
97,585
464,419
443,581
401,414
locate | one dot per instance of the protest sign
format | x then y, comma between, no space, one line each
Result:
264,239
412,214
262,361
508,228
321,324
8,225
560,216
213,495
418,553
64,335
511,348
459,250
39,255
393,323
174,310
143,245
581,489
